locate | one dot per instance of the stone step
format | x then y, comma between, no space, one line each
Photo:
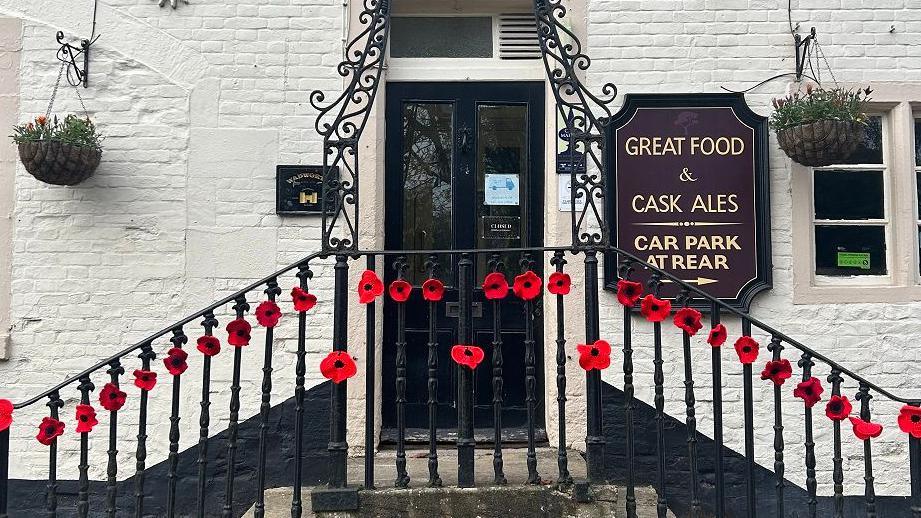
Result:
485,501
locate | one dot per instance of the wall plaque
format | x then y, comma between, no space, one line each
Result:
298,189
505,228
690,192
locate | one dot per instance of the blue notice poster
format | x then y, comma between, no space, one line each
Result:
502,189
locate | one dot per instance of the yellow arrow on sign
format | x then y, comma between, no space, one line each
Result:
700,281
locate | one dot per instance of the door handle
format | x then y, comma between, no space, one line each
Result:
464,140
452,309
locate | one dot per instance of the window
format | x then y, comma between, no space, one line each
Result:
425,37
850,220
917,162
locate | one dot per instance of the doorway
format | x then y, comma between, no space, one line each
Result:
463,160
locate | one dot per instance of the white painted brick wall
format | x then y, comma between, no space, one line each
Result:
199,104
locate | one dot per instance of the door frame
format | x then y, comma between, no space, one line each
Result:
532,200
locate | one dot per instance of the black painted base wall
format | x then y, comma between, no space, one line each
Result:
678,479
27,497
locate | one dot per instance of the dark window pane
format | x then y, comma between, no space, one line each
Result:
870,151
918,142
918,189
850,250
848,194
441,37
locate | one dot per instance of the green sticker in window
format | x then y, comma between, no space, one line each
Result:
854,260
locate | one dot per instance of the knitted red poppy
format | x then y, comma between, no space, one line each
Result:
175,361
209,345
629,292
594,356
865,429
777,371
433,290
747,349
838,408
910,420
467,355
810,391
338,366
6,414
688,320
655,310
145,380
370,287
238,332
303,301
527,285
112,398
86,418
400,290
717,335
495,287
49,430
559,283
268,313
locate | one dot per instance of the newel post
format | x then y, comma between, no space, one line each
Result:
4,470
594,439
914,456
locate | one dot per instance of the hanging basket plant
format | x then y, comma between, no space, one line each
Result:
59,152
822,127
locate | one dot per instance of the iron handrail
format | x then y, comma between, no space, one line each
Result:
574,250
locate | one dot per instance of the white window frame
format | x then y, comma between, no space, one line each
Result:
902,283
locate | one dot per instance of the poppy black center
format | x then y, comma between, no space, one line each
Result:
595,351
835,406
527,285
177,360
746,349
655,307
113,396
84,418
241,333
269,313
338,364
807,391
367,287
49,430
689,321
916,418
468,352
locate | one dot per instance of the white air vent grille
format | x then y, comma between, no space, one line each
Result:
518,36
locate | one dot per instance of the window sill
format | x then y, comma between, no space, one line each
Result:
851,294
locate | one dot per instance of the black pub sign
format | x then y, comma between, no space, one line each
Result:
690,193
299,189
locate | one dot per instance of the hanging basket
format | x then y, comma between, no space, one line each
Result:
821,143
58,163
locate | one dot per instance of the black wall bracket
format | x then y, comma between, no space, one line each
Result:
802,51
71,56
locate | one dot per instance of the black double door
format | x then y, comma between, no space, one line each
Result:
464,170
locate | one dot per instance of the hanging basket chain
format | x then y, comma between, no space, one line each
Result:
54,92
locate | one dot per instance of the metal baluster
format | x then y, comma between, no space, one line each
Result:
83,493
55,404
914,463
864,396
146,356
178,340
434,479
272,291
691,414
370,383
240,307
115,370
209,322
565,479
626,268
466,442
304,274
594,438
838,472
498,383
717,369
4,471
806,364
338,448
749,418
776,347
659,380
530,379
402,480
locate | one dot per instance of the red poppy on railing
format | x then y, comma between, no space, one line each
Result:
400,290
910,420
112,398
629,292
175,361
338,366
268,313
433,290
467,355
303,301
6,414
838,408
86,418
370,287
495,287
145,380
559,283
717,336
747,349
688,320
865,429
777,371
49,430
810,391
527,285
655,310
238,332
594,356
209,345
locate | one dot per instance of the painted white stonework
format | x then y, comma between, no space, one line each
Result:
199,105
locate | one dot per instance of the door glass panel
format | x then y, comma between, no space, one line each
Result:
502,167
441,37
427,163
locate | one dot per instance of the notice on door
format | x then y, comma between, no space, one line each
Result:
504,228
502,189
690,193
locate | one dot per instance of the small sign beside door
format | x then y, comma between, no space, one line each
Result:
298,189
502,189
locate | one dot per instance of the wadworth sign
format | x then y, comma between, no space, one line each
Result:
690,192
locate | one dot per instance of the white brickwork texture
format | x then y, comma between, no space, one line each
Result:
199,105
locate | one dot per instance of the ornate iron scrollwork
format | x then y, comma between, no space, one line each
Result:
68,54
342,122
564,60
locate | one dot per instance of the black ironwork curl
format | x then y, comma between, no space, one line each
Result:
69,54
